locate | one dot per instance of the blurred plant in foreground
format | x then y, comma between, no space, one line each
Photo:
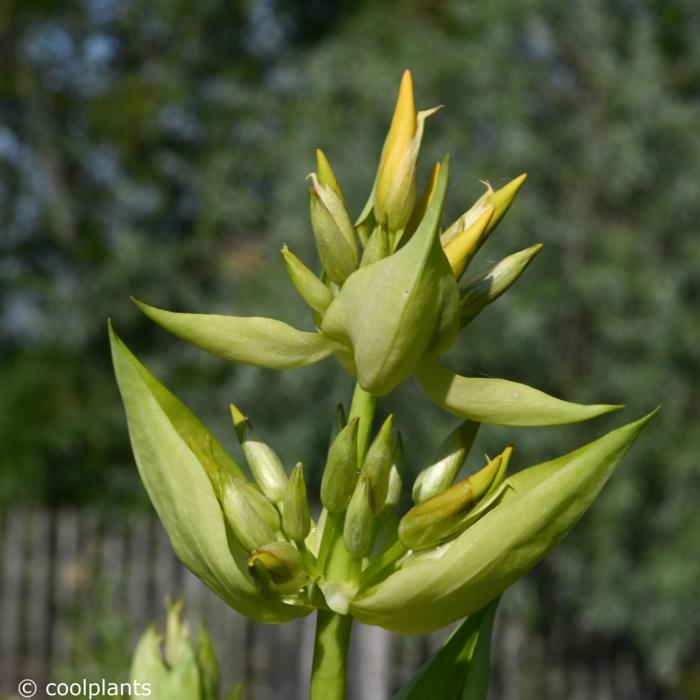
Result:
388,303
174,666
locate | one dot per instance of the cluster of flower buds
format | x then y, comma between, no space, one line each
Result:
390,299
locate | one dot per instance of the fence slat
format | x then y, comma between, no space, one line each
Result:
66,572
39,595
10,601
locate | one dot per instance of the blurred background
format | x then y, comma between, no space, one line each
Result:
159,149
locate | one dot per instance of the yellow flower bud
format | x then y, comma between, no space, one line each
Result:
432,521
464,246
500,200
395,189
277,566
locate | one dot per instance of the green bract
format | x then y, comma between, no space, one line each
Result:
387,304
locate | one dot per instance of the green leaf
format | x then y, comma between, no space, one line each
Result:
182,494
461,668
253,340
499,401
539,507
395,311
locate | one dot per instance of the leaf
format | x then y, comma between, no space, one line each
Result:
182,494
538,509
253,340
461,668
187,425
499,401
394,311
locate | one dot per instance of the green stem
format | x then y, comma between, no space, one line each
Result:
363,407
330,655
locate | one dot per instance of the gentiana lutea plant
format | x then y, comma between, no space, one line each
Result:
392,296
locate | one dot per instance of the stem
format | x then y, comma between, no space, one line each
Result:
333,630
330,655
363,407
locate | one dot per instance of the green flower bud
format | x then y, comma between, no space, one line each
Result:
310,288
249,528
377,248
431,522
333,230
393,493
377,464
483,287
449,460
340,474
262,459
279,564
359,521
296,520
261,504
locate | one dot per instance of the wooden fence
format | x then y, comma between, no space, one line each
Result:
78,589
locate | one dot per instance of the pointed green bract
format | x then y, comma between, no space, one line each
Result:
253,340
499,401
539,507
182,494
395,311
461,668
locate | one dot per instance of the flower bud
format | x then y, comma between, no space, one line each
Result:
340,474
395,485
481,288
277,564
395,188
421,206
333,230
500,200
308,285
359,522
431,522
377,248
464,246
261,504
377,464
250,529
450,458
296,520
262,459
